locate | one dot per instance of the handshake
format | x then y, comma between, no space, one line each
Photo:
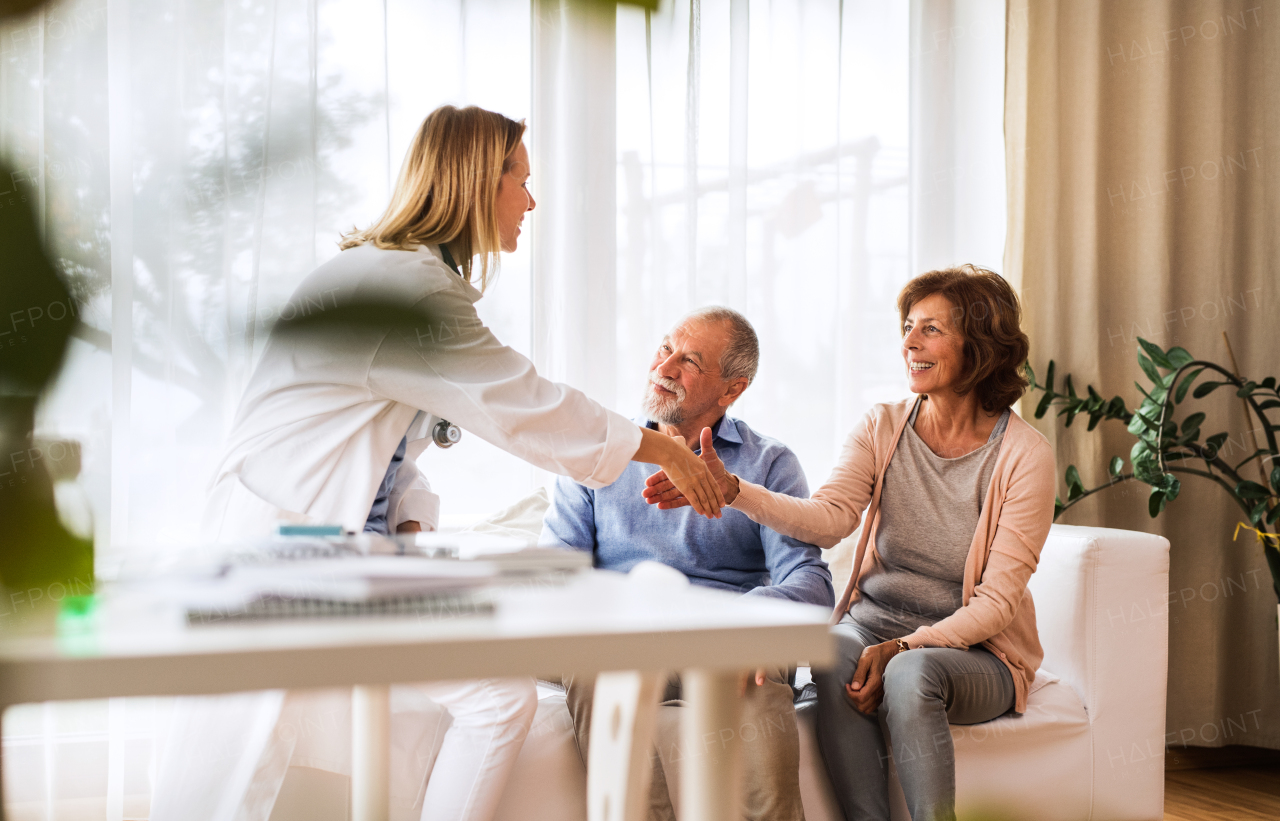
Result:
664,488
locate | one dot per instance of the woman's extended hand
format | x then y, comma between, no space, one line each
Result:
866,691
687,473
661,491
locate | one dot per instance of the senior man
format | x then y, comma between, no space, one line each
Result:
701,368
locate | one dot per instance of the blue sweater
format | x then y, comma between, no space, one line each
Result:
731,553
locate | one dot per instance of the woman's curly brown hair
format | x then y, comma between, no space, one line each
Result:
988,315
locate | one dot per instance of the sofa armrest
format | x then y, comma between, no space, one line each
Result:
1102,611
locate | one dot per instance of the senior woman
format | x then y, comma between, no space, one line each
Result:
936,625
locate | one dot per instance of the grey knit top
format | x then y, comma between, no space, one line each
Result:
928,514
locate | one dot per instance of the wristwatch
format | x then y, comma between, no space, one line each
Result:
902,645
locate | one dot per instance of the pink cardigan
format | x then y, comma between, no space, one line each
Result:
997,612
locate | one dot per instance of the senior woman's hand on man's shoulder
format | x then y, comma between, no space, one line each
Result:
661,491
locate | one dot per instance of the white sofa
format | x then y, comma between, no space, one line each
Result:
1090,746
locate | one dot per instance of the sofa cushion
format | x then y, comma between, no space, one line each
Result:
1047,751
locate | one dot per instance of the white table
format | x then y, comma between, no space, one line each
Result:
597,622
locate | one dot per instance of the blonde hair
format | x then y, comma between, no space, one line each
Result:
448,188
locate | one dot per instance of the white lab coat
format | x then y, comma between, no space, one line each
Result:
324,412
321,417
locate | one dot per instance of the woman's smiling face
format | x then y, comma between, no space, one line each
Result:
514,199
932,346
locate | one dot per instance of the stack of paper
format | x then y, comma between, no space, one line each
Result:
509,555
310,576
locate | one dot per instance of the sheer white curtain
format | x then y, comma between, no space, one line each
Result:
800,161
191,160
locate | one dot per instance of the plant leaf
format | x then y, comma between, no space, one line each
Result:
1057,506
1048,376
1258,512
1179,357
1269,404
1246,389
1205,388
1031,375
1214,443
1275,479
1043,405
1145,467
1193,421
1273,515
1071,391
1158,394
1140,424
1181,393
1251,490
1149,369
1117,465
1269,383
1156,502
1156,354
1075,488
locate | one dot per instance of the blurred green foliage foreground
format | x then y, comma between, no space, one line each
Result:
38,556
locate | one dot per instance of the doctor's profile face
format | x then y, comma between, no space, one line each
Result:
514,199
684,377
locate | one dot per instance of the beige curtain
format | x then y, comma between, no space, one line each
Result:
1144,200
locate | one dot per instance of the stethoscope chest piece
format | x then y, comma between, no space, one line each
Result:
446,434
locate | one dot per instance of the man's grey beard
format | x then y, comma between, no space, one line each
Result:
664,412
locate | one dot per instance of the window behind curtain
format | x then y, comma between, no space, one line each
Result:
763,165
763,161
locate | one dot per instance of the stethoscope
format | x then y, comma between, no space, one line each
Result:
434,428
446,434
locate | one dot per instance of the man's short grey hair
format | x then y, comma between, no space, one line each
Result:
741,356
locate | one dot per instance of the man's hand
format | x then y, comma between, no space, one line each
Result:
688,474
866,691
661,491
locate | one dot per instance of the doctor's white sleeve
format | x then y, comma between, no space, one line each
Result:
411,499
454,367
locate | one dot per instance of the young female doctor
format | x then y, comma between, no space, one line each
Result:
328,431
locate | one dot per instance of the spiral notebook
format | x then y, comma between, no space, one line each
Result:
436,606
342,587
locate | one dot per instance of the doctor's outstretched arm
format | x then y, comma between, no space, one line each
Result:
454,367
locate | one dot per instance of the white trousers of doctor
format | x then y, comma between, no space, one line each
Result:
226,756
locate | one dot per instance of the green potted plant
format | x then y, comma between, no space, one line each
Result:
1167,448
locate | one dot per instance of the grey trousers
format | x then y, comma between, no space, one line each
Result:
769,740
925,690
